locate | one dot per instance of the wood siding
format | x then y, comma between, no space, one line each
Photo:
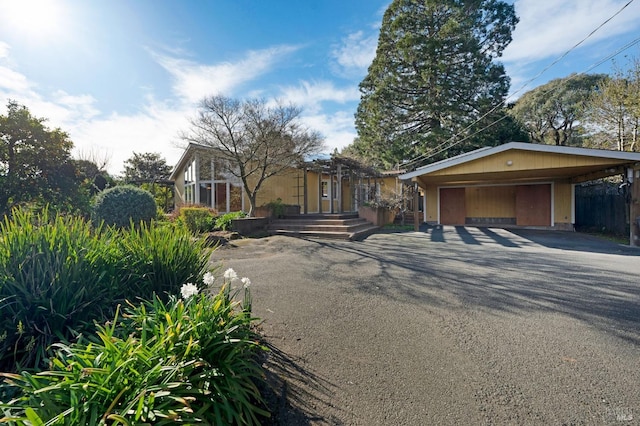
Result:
513,161
491,202
533,205
452,206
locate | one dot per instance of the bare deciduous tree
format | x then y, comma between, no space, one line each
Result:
258,140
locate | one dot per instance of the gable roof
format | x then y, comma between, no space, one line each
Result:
551,149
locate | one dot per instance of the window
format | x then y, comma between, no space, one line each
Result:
325,189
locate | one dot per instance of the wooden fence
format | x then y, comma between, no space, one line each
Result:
602,207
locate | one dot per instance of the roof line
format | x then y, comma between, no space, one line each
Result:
488,151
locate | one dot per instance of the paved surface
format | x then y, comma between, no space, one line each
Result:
449,326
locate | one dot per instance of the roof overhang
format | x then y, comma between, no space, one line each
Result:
531,163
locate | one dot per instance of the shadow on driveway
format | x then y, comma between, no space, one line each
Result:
514,238
504,275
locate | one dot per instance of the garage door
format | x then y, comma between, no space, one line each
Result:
533,205
452,206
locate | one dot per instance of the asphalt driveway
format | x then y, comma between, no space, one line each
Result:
449,326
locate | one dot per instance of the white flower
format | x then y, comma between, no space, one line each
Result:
188,290
246,282
208,279
230,275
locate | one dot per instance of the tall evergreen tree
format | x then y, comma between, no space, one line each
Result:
434,75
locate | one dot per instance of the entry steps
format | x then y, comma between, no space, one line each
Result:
343,226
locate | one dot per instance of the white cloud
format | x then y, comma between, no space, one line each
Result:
310,95
4,50
338,128
155,129
356,52
194,81
548,28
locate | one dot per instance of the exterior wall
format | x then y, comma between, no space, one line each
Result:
491,201
178,189
498,204
200,178
288,186
512,161
563,205
431,196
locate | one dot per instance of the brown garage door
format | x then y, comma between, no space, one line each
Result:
533,205
452,206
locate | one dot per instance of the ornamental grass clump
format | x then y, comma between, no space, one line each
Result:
189,360
158,260
58,275
54,281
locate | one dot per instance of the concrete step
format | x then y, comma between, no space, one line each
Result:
342,226
350,235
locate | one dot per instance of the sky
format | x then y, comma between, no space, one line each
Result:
125,76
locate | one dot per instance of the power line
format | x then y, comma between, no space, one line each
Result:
442,146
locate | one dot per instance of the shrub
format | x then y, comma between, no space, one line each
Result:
276,207
187,361
158,260
54,280
122,205
224,222
197,219
58,276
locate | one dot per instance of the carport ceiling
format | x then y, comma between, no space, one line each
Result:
517,162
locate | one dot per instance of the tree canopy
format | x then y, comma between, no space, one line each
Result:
146,167
614,110
433,77
555,113
256,139
35,162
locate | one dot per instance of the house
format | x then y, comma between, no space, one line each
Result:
331,185
517,184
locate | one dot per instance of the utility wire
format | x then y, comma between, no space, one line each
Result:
443,146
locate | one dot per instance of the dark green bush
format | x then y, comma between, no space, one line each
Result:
122,205
54,281
187,361
224,222
197,219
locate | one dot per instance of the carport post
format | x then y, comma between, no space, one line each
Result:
633,177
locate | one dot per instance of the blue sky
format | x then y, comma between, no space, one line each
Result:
124,76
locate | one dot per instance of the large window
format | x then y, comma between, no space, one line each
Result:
209,183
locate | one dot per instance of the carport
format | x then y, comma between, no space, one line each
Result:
519,185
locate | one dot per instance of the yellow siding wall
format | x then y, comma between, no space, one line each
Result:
520,160
288,186
562,202
431,194
499,202
491,201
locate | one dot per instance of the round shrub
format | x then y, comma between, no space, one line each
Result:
121,205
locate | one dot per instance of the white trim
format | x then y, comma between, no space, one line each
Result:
488,151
